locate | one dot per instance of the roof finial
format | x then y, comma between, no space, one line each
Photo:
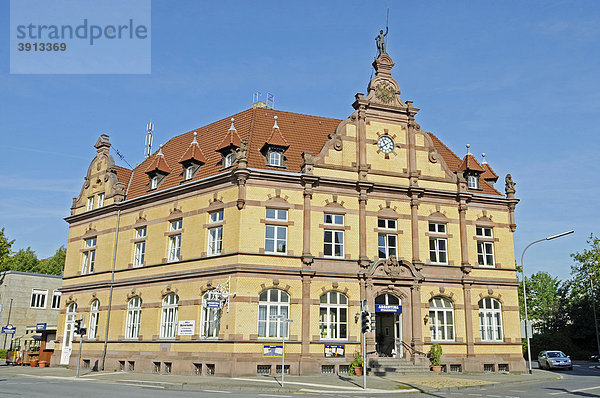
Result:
194,141
232,128
468,149
275,126
160,150
483,156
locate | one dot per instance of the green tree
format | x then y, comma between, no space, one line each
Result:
5,249
53,265
587,265
24,260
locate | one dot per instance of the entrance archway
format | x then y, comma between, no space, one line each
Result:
388,325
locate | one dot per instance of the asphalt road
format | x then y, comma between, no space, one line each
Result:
583,381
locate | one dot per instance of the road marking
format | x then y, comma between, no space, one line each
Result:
273,395
493,395
141,385
301,384
571,392
219,392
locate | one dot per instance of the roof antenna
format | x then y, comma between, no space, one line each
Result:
275,126
483,156
468,149
270,101
256,97
232,128
148,143
160,151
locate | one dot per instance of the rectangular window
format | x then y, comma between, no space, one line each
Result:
101,200
473,182
215,241
90,242
437,228
276,239
485,253
216,216
90,203
176,225
275,159
438,246
174,248
334,243
277,214
140,253
89,257
189,172
38,298
484,232
386,223
154,182
56,300
334,219
387,245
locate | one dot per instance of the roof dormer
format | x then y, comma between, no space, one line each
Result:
228,146
274,148
158,170
471,169
192,160
488,175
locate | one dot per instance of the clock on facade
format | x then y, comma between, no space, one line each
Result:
386,144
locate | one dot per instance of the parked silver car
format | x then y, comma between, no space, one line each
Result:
554,360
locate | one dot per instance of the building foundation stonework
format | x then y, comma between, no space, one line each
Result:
191,262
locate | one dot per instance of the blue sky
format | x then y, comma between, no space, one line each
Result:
517,80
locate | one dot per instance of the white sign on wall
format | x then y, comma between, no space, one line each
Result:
186,328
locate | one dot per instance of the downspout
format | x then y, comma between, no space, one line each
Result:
112,276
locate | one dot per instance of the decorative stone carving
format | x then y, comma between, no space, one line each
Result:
337,141
509,187
308,162
385,92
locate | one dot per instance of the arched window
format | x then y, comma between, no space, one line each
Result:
441,319
273,302
490,319
94,313
211,314
134,318
168,321
334,316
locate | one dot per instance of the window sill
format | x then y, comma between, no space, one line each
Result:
333,340
276,253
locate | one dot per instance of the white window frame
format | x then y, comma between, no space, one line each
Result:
90,203
386,223
94,315
228,160
139,252
437,239
276,214
333,219
273,302
100,200
189,172
333,316
154,182
441,319
215,241
275,158
169,316
276,235
39,297
70,325
55,300
175,241
473,181
385,246
134,318
215,216
211,317
490,319
336,237
485,254
89,256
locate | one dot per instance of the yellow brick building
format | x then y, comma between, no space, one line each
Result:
180,264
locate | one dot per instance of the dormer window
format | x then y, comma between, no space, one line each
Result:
275,159
153,182
228,160
189,172
473,181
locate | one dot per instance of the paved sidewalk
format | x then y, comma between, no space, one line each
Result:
314,384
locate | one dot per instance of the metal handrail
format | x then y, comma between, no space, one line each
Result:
412,349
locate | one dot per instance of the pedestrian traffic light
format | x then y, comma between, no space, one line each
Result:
77,328
365,321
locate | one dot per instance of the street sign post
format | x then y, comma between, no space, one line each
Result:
285,321
8,329
364,307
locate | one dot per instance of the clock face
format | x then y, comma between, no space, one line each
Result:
386,144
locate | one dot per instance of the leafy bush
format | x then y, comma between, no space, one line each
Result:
356,362
435,354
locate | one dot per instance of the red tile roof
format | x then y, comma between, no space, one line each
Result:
123,174
231,139
158,164
276,138
303,133
470,163
193,153
489,174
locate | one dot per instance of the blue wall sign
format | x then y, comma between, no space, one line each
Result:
212,304
395,308
8,329
40,326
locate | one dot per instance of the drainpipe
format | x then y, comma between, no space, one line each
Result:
112,281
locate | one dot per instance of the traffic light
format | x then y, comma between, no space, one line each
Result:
365,321
77,328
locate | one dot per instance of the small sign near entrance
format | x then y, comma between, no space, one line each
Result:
391,308
8,329
272,350
333,351
40,327
186,328
212,303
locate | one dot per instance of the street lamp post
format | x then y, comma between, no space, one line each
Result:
595,318
525,291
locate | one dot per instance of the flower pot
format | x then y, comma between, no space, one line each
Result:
43,364
358,370
437,369
33,363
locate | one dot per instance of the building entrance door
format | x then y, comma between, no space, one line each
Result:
68,336
388,326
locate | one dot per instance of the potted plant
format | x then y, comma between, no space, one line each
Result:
43,364
435,354
356,367
33,363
